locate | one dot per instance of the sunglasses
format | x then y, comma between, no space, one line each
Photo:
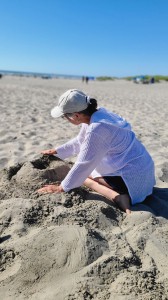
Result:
67,115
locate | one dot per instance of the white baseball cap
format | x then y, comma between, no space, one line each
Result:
71,101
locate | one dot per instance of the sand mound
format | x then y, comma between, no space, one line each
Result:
77,245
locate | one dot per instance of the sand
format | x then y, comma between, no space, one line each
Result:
78,245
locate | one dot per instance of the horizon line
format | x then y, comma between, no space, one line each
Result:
73,75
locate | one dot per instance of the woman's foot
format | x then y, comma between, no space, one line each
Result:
123,202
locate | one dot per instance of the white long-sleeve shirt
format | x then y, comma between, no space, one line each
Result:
108,147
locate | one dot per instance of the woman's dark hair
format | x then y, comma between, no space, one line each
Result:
92,107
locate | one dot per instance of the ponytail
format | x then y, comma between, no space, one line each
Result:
92,107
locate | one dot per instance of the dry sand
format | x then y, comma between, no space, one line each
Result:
77,245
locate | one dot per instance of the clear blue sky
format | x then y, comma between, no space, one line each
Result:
91,37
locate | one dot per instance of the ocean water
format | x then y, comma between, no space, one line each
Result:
42,75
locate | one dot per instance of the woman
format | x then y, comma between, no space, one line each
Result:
111,160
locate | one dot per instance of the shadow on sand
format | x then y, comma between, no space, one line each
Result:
157,203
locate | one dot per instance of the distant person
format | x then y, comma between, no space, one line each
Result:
111,160
86,79
152,80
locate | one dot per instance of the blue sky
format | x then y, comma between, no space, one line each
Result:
91,37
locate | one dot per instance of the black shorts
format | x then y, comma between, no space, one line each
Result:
117,184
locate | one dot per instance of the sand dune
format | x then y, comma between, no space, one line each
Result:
78,245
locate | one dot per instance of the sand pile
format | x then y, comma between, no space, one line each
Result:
77,245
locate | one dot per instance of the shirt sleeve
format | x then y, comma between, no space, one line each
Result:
72,147
92,151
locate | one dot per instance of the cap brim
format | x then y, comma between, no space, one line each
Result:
56,112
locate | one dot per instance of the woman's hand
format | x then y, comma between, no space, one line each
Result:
49,152
51,188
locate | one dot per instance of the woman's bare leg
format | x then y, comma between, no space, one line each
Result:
101,187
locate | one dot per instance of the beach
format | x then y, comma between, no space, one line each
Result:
77,245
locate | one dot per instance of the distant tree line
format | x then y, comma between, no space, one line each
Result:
157,78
